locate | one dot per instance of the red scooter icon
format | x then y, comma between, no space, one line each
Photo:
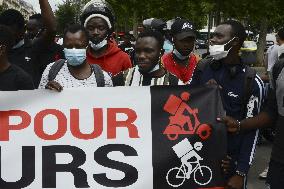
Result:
178,121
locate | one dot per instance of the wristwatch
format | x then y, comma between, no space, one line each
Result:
240,173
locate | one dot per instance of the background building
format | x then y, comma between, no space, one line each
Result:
24,7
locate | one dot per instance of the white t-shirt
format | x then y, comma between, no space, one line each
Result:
272,56
66,80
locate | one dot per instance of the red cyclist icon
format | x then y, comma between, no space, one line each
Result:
181,124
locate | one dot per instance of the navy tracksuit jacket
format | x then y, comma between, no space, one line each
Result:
241,147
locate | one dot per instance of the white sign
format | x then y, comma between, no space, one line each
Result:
86,138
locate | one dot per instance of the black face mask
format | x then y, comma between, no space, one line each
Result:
33,36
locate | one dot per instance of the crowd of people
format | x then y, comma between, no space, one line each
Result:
90,57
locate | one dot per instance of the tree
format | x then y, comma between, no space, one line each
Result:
133,12
65,15
261,14
2,8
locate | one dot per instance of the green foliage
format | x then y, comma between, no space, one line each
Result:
167,9
252,11
1,9
129,12
65,15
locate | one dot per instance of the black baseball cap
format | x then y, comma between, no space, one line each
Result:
182,29
158,24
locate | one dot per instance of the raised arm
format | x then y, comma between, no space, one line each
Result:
49,21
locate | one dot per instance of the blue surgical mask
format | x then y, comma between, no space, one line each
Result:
179,56
75,57
99,45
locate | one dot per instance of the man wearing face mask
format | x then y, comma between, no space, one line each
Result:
43,54
242,94
148,52
272,115
17,55
98,18
75,70
27,54
34,27
12,78
181,62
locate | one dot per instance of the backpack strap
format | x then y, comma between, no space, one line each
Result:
100,79
55,68
250,75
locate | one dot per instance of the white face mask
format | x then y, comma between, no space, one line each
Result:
218,52
99,45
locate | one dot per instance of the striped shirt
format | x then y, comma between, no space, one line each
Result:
135,78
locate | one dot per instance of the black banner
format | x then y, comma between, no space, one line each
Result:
187,137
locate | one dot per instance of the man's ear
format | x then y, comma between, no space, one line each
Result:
236,41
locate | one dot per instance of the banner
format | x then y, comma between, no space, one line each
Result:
136,138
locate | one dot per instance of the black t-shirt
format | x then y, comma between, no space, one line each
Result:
33,57
22,57
42,55
15,78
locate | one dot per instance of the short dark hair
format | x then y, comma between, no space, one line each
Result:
6,37
280,34
153,33
237,28
36,17
12,17
74,28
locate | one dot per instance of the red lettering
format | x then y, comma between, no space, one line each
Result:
5,126
112,123
98,124
62,124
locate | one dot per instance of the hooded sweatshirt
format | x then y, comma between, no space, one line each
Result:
113,61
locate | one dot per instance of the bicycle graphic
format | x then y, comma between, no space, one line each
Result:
180,174
202,174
